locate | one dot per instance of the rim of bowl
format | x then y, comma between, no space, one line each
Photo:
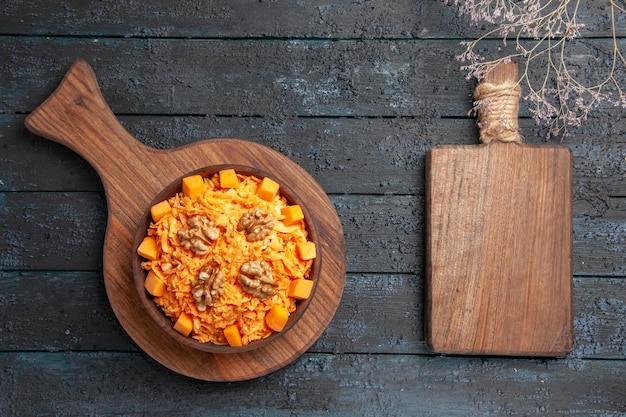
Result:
164,322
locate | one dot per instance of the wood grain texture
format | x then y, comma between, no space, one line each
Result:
281,19
342,385
85,322
263,78
77,116
499,249
61,231
397,148
499,236
355,93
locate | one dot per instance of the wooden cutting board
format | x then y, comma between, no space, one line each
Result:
76,115
499,246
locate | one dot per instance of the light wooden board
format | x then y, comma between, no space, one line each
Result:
499,249
77,116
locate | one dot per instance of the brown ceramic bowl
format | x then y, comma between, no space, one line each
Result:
164,322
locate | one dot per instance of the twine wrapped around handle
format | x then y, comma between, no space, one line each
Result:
497,104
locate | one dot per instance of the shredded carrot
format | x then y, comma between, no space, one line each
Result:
179,267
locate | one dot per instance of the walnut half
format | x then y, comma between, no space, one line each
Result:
199,233
256,224
256,278
208,287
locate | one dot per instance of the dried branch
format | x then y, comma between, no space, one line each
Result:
543,32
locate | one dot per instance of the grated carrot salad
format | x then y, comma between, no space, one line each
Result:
178,267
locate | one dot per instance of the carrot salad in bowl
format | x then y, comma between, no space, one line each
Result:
227,258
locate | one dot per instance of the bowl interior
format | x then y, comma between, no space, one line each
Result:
164,322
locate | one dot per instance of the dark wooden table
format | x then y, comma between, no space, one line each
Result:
354,92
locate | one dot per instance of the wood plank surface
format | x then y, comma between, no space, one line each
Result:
272,78
397,148
353,385
356,94
284,19
384,234
81,319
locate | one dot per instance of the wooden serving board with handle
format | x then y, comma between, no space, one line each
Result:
499,246
76,115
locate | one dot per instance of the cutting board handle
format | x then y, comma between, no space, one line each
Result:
77,116
497,104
